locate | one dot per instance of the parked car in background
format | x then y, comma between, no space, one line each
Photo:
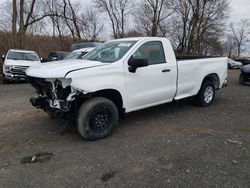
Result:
78,54
245,74
16,62
233,64
77,46
244,61
56,56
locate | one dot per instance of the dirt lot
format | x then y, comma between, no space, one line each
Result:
173,145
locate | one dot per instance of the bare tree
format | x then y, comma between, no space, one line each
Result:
14,22
117,11
151,14
197,20
240,33
25,13
230,45
91,25
74,19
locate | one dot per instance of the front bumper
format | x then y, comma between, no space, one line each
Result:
14,77
50,105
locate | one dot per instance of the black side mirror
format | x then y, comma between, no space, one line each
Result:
3,58
136,63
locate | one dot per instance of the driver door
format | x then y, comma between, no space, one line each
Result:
153,84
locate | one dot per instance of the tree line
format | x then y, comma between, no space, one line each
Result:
195,27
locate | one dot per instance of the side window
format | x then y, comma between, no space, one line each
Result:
152,51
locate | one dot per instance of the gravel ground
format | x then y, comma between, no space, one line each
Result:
173,145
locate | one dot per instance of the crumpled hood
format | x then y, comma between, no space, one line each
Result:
246,68
10,62
59,69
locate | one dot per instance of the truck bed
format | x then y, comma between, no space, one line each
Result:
191,74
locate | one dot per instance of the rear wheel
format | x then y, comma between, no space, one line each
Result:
96,118
206,95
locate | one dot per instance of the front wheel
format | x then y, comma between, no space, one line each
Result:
206,95
96,118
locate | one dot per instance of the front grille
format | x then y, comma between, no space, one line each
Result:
18,70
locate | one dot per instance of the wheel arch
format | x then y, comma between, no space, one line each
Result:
214,78
112,95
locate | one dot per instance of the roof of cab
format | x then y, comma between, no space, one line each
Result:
138,38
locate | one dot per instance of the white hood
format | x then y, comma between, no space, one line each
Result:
59,69
10,62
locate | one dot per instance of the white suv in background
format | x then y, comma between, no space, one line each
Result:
16,62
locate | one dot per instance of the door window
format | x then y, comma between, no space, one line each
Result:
152,51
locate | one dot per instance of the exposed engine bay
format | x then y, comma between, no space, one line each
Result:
55,96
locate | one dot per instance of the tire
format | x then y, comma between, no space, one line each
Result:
241,79
206,95
97,118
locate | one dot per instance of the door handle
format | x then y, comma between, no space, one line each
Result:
166,70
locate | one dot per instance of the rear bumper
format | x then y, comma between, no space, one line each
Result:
225,83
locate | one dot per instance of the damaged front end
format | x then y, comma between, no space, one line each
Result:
55,96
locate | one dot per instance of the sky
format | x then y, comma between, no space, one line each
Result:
240,9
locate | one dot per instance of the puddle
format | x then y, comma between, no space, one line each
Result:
109,175
38,158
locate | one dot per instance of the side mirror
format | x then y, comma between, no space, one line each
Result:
136,63
3,58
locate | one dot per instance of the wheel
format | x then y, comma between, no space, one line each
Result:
241,79
96,118
206,95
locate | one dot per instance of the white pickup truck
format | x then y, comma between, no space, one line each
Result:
16,62
119,77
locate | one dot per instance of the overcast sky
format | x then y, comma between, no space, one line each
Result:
240,10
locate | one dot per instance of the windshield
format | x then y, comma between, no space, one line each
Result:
75,55
28,56
110,52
